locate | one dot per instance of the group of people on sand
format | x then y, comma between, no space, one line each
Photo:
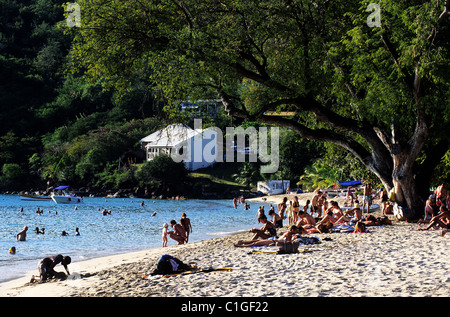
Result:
302,221
180,232
437,215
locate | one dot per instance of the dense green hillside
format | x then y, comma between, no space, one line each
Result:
58,125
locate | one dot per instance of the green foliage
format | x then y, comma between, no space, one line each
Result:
248,174
318,175
335,165
12,171
162,169
346,82
295,155
73,101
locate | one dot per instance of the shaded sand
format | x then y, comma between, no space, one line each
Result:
395,260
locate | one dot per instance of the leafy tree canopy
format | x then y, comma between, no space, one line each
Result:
379,92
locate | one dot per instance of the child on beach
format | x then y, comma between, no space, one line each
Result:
164,235
260,212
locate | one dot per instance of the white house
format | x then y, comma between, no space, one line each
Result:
193,147
273,187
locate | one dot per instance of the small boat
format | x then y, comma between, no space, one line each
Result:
62,197
34,197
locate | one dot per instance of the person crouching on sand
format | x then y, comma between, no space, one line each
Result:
178,234
46,267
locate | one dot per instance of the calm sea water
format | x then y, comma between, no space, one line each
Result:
130,227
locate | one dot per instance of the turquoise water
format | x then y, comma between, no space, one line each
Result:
130,227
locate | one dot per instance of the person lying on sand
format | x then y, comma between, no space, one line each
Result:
287,237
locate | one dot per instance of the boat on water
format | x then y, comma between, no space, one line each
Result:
34,197
61,196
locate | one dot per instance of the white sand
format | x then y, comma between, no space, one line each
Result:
395,260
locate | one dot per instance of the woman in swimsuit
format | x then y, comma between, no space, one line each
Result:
268,227
296,208
286,237
277,221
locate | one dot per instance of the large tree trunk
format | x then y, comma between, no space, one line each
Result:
406,192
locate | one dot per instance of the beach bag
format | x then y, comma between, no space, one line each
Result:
400,213
287,247
384,220
308,240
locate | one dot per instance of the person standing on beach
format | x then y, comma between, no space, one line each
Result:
282,208
260,212
295,210
367,198
178,234
164,235
186,223
22,235
315,200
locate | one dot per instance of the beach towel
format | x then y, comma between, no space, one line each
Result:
308,240
278,252
342,228
287,247
195,270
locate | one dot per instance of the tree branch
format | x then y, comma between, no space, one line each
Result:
408,80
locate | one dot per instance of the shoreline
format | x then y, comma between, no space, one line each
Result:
389,261
413,264
82,271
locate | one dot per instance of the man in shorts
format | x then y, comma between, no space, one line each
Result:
367,197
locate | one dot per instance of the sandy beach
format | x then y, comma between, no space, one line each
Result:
393,260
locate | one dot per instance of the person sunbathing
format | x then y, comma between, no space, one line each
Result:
306,220
268,230
286,237
328,218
